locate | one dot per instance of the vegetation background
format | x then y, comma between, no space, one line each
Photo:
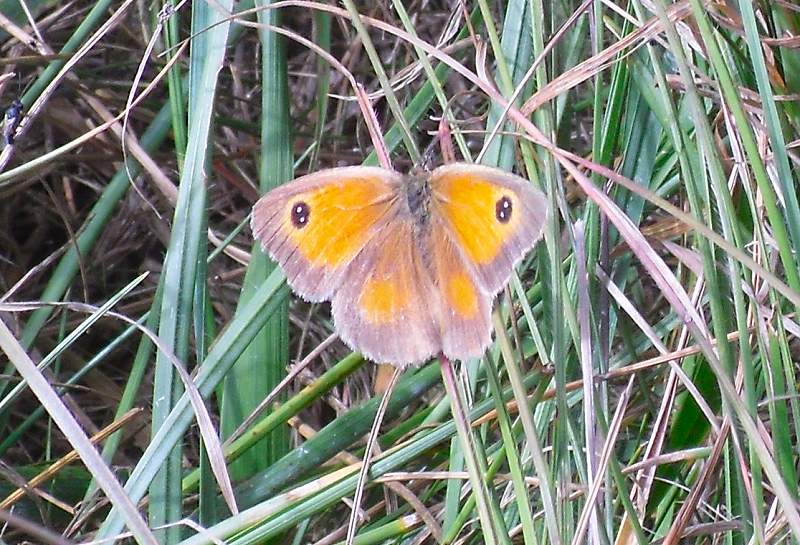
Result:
643,385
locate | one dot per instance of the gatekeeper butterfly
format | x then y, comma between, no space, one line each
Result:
410,263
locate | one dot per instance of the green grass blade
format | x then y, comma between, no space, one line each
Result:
262,366
231,343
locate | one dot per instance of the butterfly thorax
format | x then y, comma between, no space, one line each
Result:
418,197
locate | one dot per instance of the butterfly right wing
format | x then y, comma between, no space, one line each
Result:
464,307
386,305
315,225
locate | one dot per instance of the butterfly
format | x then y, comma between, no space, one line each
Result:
411,263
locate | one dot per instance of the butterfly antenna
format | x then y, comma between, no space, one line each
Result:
352,525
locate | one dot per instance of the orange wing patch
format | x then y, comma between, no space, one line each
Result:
330,225
461,293
493,217
392,285
470,203
316,225
382,299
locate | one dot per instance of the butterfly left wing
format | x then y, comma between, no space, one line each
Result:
315,225
492,216
385,305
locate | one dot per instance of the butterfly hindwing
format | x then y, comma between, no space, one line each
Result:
385,305
316,225
464,308
492,216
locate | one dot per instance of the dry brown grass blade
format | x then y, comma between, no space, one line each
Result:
211,439
43,535
372,442
603,60
72,456
620,372
7,153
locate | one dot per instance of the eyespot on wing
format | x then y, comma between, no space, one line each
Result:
494,217
315,225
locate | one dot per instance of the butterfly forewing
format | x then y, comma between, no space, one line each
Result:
316,225
493,217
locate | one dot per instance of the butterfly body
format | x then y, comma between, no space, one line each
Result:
417,188
410,263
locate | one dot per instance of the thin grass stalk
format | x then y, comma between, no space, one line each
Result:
516,46
719,313
282,413
16,434
75,435
223,354
493,530
176,85
322,37
731,96
69,340
386,86
432,78
181,265
509,442
99,216
363,473
785,179
95,17
778,411
333,438
531,436
211,457
273,516
679,301
497,459
591,436
512,53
